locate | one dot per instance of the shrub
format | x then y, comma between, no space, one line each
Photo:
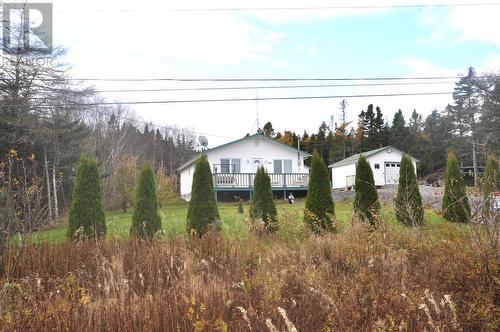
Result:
455,202
240,206
319,206
366,203
262,204
408,202
203,213
145,221
86,214
165,187
124,180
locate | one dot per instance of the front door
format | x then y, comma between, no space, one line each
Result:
256,163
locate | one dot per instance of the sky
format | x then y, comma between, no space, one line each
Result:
155,39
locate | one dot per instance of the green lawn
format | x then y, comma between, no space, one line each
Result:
233,224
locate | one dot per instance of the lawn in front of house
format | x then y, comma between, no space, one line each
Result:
234,224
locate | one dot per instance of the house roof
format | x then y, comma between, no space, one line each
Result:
192,160
354,158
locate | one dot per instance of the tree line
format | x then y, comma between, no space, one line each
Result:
469,127
48,120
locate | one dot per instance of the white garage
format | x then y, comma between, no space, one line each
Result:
385,164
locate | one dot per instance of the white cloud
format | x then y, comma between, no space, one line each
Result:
461,24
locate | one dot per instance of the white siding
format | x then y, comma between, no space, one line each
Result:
245,150
186,178
255,147
339,173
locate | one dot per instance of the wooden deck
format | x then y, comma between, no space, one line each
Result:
244,181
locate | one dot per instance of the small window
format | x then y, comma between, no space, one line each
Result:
393,165
235,165
397,165
278,166
224,165
377,166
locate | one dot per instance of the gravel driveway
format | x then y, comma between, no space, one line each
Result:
431,196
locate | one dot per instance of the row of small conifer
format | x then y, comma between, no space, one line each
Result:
87,217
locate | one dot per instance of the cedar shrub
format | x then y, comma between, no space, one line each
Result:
366,203
455,201
145,220
319,208
262,204
408,201
86,213
203,214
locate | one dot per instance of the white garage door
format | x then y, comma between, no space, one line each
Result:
391,172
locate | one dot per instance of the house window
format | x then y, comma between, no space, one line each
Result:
377,166
282,166
278,167
230,165
224,165
235,165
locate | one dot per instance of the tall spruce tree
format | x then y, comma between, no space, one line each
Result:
203,213
455,201
319,203
86,214
145,220
262,204
399,131
491,181
366,202
408,202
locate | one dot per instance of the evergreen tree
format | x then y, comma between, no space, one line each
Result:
399,132
262,205
491,181
436,136
455,202
203,213
408,202
366,202
319,203
268,130
145,221
86,214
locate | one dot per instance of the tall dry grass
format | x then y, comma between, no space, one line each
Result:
390,279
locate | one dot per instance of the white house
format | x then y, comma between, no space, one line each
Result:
234,165
385,163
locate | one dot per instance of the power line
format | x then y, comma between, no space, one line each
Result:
303,8
259,87
274,79
247,99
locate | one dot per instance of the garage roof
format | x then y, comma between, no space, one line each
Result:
354,158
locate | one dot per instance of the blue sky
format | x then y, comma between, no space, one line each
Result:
371,42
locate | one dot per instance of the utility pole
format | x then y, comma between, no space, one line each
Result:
343,105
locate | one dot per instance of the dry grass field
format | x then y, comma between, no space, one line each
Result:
441,277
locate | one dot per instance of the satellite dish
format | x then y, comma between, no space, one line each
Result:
203,141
